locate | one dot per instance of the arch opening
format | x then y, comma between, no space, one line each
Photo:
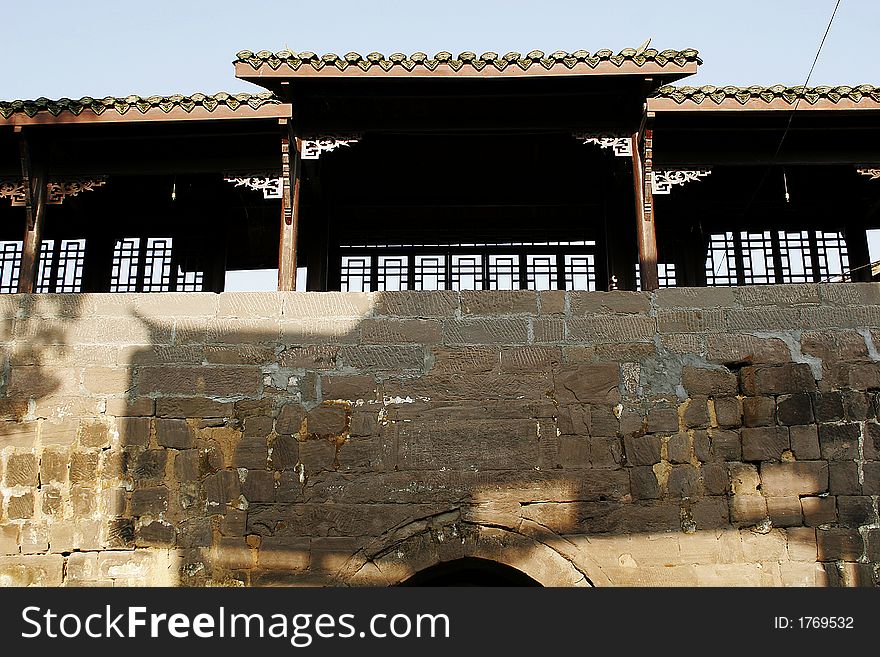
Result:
470,571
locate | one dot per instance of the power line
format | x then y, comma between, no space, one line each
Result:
794,109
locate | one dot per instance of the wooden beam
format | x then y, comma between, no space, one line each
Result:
645,231
291,174
35,208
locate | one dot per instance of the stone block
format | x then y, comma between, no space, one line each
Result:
836,544
192,407
414,304
150,464
715,479
54,464
530,358
777,380
695,297
798,478
844,478
149,501
728,412
134,430
588,383
644,484
125,407
20,506
764,443
486,331
173,433
684,481
591,303
83,467
819,510
758,411
499,302
662,420
383,358
709,383
794,409
217,380
856,511
21,470
401,331
725,445
32,570
785,511
678,448
251,453
696,413
155,534
327,420
642,450
805,442
259,486
607,329
839,442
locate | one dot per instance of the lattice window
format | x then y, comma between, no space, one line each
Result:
795,256
467,272
60,269
157,264
392,272
190,281
10,266
503,272
124,272
665,275
580,272
721,260
541,272
355,273
832,255
757,255
429,272
777,257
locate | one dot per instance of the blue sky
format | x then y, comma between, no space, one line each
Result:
98,48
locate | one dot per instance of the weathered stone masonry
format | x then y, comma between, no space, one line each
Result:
688,437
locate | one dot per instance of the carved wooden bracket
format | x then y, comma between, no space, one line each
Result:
270,183
56,190
663,181
313,148
872,172
620,146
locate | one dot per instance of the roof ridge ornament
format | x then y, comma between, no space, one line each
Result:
662,181
620,145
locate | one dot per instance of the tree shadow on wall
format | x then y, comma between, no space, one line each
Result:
345,439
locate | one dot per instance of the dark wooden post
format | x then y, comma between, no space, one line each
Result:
34,179
646,234
291,174
857,249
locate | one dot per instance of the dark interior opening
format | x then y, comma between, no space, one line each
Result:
470,572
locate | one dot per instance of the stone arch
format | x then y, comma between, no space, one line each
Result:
421,544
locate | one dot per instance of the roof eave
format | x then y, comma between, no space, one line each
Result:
758,105
671,72
277,111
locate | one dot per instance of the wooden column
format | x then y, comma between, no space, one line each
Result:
646,234
34,179
857,249
291,174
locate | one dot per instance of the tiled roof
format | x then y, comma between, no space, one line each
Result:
536,58
139,104
708,94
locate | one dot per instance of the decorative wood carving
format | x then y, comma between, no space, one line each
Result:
56,190
313,148
269,183
14,190
662,182
873,173
621,146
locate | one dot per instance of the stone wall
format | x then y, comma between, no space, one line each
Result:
688,437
